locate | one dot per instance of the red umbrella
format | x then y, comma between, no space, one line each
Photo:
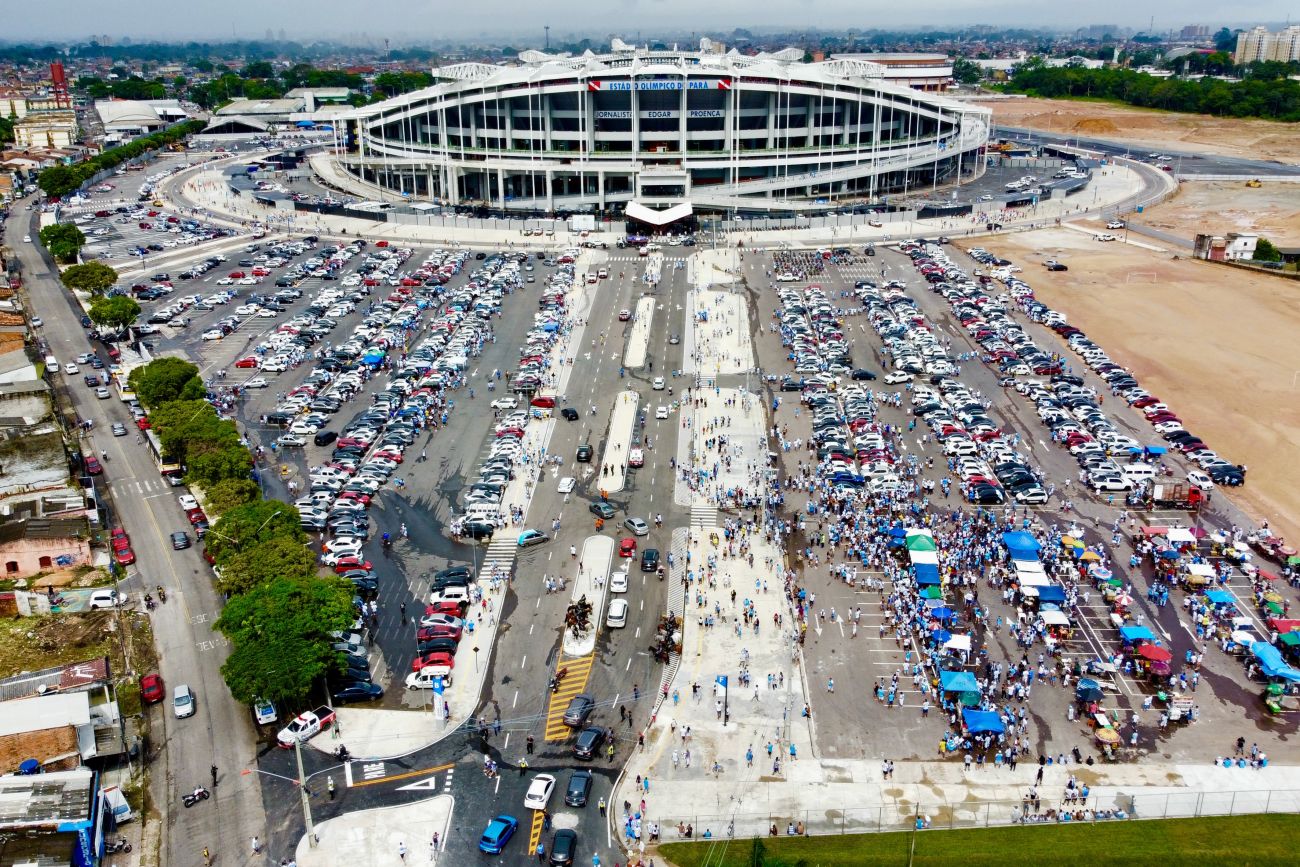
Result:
1154,653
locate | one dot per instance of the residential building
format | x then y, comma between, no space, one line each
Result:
32,545
1259,43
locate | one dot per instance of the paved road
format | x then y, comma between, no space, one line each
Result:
190,651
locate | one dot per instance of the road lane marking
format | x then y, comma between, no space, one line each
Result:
373,773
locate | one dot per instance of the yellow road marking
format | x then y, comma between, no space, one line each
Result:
575,681
405,776
535,833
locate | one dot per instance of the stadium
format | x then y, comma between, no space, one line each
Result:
657,134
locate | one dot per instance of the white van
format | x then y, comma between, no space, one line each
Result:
1139,472
423,679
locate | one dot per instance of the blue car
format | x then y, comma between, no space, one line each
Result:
528,538
497,834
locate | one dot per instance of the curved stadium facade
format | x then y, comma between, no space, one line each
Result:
723,132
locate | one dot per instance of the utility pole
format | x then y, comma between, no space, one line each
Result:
302,787
547,28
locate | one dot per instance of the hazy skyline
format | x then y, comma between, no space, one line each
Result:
407,21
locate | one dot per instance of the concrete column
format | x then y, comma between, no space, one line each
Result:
550,195
501,189
771,119
600,188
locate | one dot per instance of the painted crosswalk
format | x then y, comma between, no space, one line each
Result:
704,516
574,682
535,831
499,557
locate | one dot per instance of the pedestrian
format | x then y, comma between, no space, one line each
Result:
214,776
329,785
402,609
530,745
401,851
257,845
602,806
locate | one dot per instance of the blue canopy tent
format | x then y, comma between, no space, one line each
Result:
941,613
1219,597
927,573
1023,546
898,532
958,681
1270,662
1156,450
1136,633
979,721
1051,593
305,123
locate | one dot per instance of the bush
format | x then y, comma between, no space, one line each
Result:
58,181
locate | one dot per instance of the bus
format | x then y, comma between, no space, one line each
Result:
172,472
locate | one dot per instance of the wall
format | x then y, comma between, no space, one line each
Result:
27,553
58,744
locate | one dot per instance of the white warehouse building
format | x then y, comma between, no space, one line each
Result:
722,132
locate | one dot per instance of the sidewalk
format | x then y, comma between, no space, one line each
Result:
718,340
594,566
375,838
618,441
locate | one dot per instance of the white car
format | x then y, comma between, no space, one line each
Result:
897,377
616,617
1200,480
539,792
1114,224
567,484
1106,237
187,502
505,403
618,582
661,412
658,384
71,368
256,382
183,701
213,334
345,546
225,281
27,239
103,599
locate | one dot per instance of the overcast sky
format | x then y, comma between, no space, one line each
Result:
406,21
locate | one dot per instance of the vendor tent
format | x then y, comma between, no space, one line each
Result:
1136,633
1051,593
1205,570
1180,536
927,573
978,721
958,681
1055,618
1154,653
961,642
1270,662
1219,597
1023,546
920,540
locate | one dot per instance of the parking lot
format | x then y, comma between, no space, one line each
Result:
1000,412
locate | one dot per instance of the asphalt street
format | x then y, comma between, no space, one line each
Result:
191,652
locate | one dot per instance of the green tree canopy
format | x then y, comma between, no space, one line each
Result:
187,427
245,527
165,379
93,277
56,232
265,562
229,493
115,312
210,463
966,71
280,631
58,181
1265,251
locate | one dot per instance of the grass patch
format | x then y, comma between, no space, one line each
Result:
1239,840
33,643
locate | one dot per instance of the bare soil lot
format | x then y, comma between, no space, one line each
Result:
1154,130
1219,207
1217,344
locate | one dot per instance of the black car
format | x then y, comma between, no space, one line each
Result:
649,559
584,453
355,691
580,707
563,846
569,413
860,373
601,509
324,437
579,788
588,743
477,529
437,645
792,385
180,540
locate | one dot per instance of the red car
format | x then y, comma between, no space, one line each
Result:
247,362
627,547
125,556
119,539
447,606
391,454
151,688
446,660
236,275
438,630
351,562
195,516
92,465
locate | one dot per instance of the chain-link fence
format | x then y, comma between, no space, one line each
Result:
905,816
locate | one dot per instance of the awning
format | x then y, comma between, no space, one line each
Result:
1219,597
638,211
978,721
958,681
1023,546
1051,593
1270,662
1205,570
1154,653
1180,535
1055,618
1136,633
1033,579
962,642
926,573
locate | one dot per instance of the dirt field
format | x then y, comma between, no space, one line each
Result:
1217,208
1156,130
1216,344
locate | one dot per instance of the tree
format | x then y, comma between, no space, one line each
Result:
1265,251
116,312
262,564
280,631
229,493
58,181
63,240
258,69
212,463
93,277
245,527
163,380
966,71
1225,40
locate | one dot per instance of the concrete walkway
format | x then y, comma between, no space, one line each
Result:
718,340
594,566
618,441
638,340
376,838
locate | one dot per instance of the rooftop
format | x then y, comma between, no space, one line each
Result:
45,800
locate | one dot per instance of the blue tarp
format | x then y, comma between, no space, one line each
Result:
1136,633
1270,662
1156,450
1051,593
1023,546
1219,597
958,681
898,532
978,721
926,573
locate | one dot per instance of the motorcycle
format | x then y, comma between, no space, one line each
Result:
119,845
557,677
162,594
342,754
148,602
199,794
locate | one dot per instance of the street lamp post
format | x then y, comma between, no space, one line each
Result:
301,783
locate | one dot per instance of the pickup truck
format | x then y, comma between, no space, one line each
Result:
305,726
